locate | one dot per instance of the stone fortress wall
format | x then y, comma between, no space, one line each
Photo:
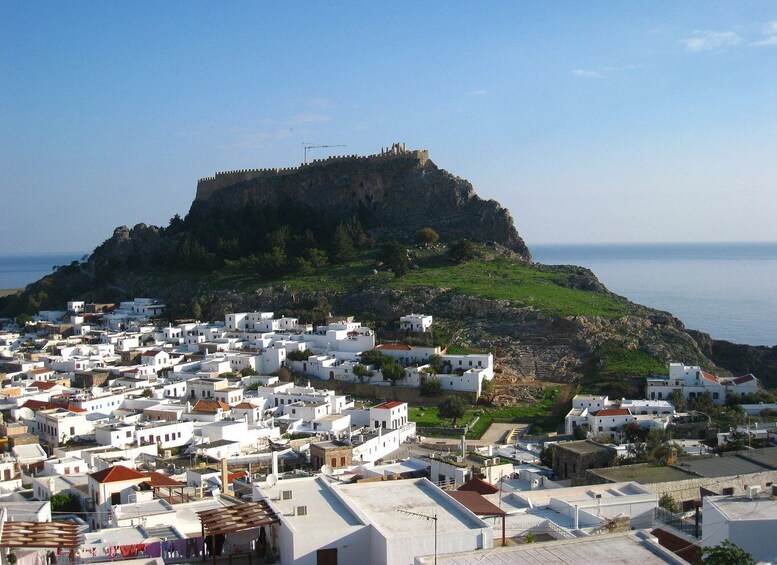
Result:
208,185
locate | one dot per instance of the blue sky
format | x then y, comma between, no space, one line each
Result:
590,121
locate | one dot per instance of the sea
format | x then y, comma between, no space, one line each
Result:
728,290
19,270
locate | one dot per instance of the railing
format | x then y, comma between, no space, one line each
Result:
678,522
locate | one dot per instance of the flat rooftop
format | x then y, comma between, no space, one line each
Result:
644,474
628,548
743,508
382,503
323,505
582,446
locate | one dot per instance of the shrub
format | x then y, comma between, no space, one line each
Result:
430,386
427,235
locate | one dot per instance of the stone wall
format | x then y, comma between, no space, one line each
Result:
386,393
398,192
689,489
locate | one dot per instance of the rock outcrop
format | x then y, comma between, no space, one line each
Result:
398,194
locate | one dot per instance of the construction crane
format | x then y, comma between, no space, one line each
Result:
306,146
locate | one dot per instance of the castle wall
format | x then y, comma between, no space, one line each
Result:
207,186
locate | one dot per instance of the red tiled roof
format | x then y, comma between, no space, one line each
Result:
40,371
744,379
36,404
41,405
394,347
245,406
612,412
46,385
389,405
236,475
479,486
210,406
116,473
710,377
156,479
151,353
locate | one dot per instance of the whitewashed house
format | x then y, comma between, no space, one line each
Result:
415,322
692,381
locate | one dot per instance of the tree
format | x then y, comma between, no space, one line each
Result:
725,554
677,400
392,372
361,371
394,257
461,251
342,244
427,235
435,362
298,355
452,407
546,457
430,386
375,357
667,502
64,502
487,388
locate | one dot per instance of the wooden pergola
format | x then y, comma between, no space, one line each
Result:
39,534
237,518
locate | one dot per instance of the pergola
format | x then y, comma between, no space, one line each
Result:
239,517
48,535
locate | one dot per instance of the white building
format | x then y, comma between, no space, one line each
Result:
367,522
415,322
603,415
749,522
692,381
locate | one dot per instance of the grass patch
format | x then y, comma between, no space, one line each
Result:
614,358
427,417
519,284
539,414
498,278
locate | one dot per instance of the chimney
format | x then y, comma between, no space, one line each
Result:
275,463
463,446
224,475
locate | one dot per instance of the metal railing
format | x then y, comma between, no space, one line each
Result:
678,522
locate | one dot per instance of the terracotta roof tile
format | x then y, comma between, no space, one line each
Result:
710,377
612,412
389,405
117,473
211,406
394,347
479,486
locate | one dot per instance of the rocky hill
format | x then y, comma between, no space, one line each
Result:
308,241
394,194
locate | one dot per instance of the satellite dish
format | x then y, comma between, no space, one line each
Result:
272,479
327,469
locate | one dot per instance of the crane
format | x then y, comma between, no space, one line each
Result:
306,146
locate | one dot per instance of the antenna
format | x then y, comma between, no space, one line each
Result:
272,479
425,517
307,146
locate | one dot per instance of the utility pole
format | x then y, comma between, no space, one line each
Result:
308,146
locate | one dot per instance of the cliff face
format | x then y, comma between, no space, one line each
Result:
398,194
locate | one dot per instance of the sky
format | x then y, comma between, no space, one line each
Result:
605,121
